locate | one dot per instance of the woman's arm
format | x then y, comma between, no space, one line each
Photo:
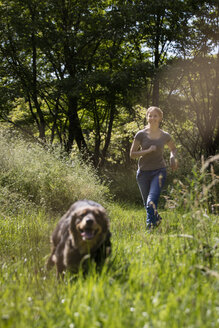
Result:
135,152
173,151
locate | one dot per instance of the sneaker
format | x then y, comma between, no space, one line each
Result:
159,219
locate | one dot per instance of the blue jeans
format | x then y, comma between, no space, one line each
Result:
150,184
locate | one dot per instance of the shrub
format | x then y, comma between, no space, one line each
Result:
45,177
123,185
198,189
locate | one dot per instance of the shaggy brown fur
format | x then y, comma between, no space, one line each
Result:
81,233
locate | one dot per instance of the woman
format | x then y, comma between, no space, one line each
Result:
148,146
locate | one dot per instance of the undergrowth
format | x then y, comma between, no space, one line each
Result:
168,278
44,178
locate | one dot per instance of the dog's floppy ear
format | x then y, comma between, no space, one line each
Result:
74,217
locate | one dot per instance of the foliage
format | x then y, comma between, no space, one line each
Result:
72,66
199,189
43,177
168,278
193,104
70,70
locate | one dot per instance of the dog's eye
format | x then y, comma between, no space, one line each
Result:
99,215
78,220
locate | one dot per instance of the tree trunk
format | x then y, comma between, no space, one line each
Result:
41,121
74,129
110,127
156,87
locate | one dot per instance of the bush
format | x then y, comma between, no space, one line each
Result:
44,177
123,185
197,190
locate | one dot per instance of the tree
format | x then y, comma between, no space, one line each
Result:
20,54
160,26
72,68
194,86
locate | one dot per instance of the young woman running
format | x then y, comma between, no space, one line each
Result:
148,147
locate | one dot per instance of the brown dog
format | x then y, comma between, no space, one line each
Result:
83,232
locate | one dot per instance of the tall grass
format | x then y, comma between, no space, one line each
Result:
43,178
165,279
168,278
198,190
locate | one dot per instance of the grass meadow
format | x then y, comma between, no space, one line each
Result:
168,278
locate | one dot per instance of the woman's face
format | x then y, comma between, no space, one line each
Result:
153,117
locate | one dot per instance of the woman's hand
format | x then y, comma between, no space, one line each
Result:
136,153
173,162
173,151
152,148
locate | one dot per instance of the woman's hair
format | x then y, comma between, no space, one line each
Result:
158,110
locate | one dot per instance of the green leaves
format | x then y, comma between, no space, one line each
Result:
65,58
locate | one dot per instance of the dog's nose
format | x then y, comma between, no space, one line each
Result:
89,221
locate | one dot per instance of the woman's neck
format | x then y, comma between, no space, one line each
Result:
153,128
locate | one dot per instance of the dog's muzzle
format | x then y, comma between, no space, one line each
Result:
88,228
